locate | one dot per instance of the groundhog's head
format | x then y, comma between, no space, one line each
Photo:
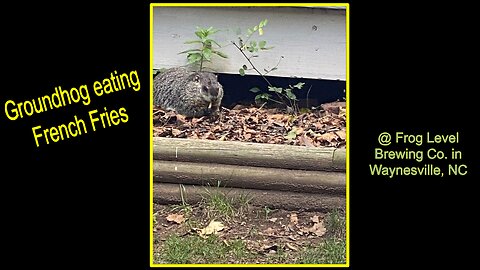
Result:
209,87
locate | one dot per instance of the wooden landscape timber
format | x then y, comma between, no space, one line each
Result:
202,174
279,176
250,154
170,194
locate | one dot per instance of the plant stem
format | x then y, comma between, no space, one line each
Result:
253,66
276,101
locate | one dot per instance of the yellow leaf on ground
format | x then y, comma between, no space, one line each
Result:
212,228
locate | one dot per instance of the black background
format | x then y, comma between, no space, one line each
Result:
85,201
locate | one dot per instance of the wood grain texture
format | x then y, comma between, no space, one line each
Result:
207,174
312,40
250,154
170,194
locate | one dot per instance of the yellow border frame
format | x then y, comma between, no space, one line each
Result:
347,6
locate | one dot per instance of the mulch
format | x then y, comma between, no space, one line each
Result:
324,126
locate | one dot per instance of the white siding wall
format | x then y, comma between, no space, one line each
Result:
312,40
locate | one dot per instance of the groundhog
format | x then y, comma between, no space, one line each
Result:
193,94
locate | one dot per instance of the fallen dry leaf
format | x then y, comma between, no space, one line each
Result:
176,132
269,231
290,246
212,228
318,229
341,134
304,140
327,137
315,219
294,218
270,248
179,219
260,125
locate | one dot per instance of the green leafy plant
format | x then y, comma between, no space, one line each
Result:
203,54
287,95
246,45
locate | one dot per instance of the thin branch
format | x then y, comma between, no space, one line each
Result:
281,57
253,66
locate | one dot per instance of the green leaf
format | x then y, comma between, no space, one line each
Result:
241,71
290,94
207,53
200,34
263,23
207,44
292,134
250,49
262,97
191,50
255,90
192,41
255,28
260,31
253,43
299,85
220,54
212,31
262,44
194,57
249,31
275,89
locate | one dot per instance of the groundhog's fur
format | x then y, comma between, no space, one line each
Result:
190,93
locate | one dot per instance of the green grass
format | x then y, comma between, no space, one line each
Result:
333,249
335,224
195,249
280,257
330,251
220,204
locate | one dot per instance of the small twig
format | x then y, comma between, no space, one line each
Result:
253,66
262,105
275,65
308,93
272,235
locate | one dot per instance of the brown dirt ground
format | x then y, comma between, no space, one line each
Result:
264,236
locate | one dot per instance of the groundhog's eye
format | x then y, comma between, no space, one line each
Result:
204,89
197,78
